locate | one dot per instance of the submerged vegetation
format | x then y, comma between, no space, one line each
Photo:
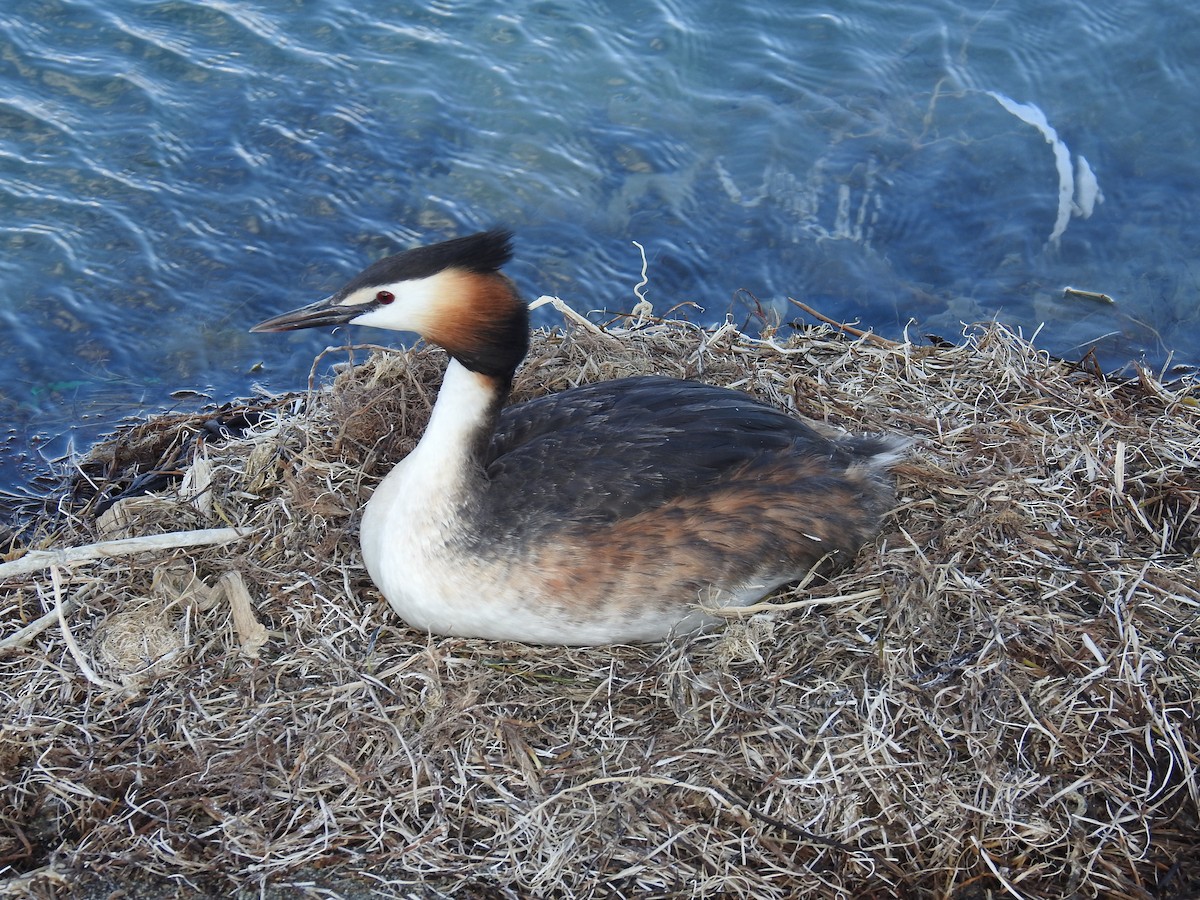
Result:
1001,697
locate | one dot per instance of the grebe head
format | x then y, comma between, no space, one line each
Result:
452,294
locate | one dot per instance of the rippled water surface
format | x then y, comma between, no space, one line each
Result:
172,172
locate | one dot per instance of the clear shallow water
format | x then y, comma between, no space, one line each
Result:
172,172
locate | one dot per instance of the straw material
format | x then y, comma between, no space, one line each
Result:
999,698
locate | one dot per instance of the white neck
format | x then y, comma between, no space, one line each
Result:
416,512
465,405
428,485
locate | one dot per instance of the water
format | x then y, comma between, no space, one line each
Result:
172,172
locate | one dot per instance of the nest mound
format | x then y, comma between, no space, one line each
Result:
1000,697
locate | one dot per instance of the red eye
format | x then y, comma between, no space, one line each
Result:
385,297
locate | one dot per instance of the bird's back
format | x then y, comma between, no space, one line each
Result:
594,456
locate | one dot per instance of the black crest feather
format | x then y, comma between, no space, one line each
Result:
483,252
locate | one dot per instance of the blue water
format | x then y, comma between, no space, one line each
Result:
172,172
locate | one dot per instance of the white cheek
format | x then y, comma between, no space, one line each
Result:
410,311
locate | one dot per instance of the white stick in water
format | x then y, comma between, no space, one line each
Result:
1031,115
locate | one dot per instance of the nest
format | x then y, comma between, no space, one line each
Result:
999,698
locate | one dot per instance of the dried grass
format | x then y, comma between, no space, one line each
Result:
998,699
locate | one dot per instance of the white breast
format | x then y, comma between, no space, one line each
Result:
408,530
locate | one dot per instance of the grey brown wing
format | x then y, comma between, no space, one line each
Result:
608,450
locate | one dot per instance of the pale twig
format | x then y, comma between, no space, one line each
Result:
643,309
37,560
574,318
733,612
1088,295
80,660
251,632
37,626
992,867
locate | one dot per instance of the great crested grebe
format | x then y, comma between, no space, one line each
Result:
610,513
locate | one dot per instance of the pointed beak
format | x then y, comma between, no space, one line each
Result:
316,315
